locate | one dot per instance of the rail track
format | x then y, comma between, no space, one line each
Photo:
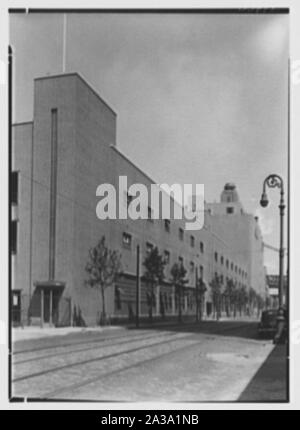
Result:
64,367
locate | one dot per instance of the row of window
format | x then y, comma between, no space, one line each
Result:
127,238
165,300
233,267
167,225
221,278
127,242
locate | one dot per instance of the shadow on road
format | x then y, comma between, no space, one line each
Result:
270,381
241,329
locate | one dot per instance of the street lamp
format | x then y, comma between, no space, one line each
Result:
275,181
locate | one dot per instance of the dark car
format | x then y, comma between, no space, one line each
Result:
268,323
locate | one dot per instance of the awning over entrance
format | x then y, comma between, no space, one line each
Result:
50,285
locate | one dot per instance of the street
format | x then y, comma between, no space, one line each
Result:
208,361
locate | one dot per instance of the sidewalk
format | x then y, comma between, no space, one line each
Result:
35,332
270,383
29,332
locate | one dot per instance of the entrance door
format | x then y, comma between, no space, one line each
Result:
55,306
47,306
51,304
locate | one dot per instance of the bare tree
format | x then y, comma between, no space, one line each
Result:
215,286
103,268
178,273
154,264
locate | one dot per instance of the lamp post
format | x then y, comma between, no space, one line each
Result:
275,181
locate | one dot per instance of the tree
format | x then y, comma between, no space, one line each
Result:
178,273
200,294
154,274
103,268
242,298
215,285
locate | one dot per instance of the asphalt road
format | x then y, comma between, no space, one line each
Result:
210,361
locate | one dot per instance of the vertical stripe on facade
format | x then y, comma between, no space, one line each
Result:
53,187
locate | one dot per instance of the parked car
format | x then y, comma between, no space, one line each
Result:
268,323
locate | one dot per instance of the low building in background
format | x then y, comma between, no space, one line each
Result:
58,161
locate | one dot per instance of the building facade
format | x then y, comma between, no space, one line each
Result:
58,161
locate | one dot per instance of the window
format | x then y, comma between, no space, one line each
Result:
221,279
13,237
150,214
180,260
227,264
222,259
230,210
201,272
192,266
167,225
231,266
181,233
239,271
235,269
192,241
149,247
14,187
216,256
126,240
201,247
167,257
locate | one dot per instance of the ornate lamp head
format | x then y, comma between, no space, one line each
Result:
264,200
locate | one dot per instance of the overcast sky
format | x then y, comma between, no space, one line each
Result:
199,98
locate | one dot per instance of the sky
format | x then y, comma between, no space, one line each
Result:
199,98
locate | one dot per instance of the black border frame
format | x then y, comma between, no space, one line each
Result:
240,11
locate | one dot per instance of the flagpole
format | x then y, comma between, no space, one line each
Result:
64,42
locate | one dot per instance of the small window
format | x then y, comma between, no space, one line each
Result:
201,272
230,210
192,241
126,240
231,266
235,269
201,247
181,233
180,260
167,225
14,187
222,259
227,264
13,236
149,248
192,266
216,257
167,257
